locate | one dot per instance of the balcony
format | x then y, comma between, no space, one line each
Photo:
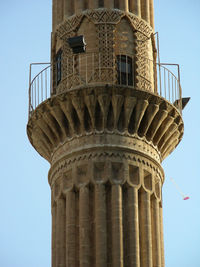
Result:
99,69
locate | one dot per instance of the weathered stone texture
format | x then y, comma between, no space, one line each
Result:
105,141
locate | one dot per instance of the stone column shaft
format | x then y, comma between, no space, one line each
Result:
109,3
133,228
84,228
152,13
60,11
135,7
145,10
156,233
79,6
54,12
93,4
162,238
123,5
117,229
70,229
145,230
60,233
100,226
53,255
68,8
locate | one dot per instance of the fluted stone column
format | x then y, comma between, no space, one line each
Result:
145,230
79,6
109,3
135,7
60,10
152,13
100,225
123,5
156,231
133,228
161,237
68,11
60,233
145,10
117,230
54,11
93,4
53,239
84,228
70,229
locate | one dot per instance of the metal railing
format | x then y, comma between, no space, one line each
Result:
40,87
88,69
169,86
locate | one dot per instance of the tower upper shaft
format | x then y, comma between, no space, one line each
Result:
63,9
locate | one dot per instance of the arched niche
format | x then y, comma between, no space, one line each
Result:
124,52
86,62
88,30
124,38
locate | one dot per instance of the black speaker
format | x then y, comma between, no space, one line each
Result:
77,44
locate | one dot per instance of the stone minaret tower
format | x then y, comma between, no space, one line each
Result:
112,116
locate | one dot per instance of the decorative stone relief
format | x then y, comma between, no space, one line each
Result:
134,175
104,169
148,180
106,23
82,174
92,112
99,171
103,16
117,171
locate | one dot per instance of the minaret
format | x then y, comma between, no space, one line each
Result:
112,116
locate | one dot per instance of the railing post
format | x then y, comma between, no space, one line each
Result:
180,91
46,83
158,47
42,86
165,82
35,93
38,91
29,108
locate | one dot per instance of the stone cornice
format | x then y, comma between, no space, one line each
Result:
116,110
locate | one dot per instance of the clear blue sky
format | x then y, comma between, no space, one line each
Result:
25,217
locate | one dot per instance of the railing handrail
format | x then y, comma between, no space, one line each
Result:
31,81
163,66
40,73
172,87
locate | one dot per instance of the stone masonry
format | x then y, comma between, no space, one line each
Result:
105,140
